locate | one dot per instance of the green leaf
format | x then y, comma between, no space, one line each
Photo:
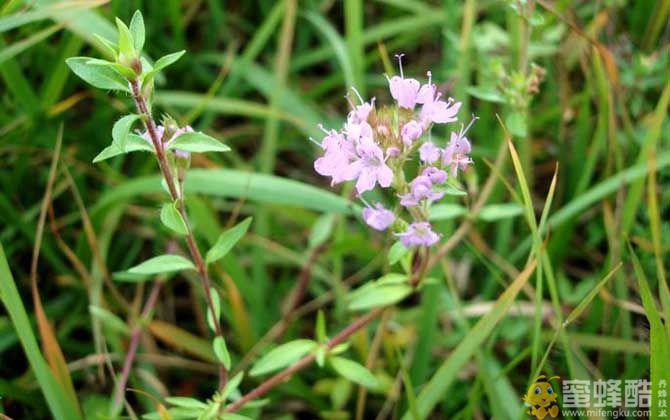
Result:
216,302
321,230
489,94
321,335
197,142
186,402
235,416
353,371
227,240
282,356
112,48
109,319
133,143
122,128
493,212
254,187
171,218
232,385
100,77
396,252
125,71
221,352
162,63
392,278
163,264
447,211
126,43
373,295
137,31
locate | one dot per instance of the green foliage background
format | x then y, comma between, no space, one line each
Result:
260,76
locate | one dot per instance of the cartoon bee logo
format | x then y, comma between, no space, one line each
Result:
541,398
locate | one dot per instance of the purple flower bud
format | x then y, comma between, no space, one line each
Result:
182,154
421,188
436,176
392,152
410,132
417,234
378,217
429,153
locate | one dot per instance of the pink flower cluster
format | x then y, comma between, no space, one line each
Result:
375,143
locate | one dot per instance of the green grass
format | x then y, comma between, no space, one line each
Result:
561,272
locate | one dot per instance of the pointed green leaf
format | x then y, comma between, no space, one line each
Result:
227,240
126,72
493,212
353,371
133,143
163,264
321,230
396,252
374,296
216,301
162,63
321,335
171,218
282,356
197,142
232,385
112,48
126,43
221,352
186,402
122,128
137,31
100,77
109,319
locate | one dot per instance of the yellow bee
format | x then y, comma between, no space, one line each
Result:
541,398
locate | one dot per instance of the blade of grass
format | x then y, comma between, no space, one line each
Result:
20,46
353,28
57,400
437,386
658,337
50,345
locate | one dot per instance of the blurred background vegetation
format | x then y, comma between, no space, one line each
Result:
582,86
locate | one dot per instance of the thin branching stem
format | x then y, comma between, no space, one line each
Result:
164,165
284,375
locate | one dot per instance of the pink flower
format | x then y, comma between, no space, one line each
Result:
370,168
360,113
410,132
378,217
427,91
337,157
436,176
417,234
357,131
420,188
403,90
456,153
429,153
439,112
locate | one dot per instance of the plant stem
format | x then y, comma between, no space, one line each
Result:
150,125
284,375
134,343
